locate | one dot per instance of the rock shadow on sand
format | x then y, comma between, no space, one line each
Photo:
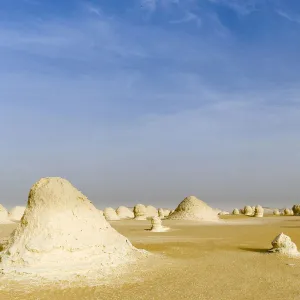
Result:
258,250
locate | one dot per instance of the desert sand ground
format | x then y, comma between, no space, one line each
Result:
194,261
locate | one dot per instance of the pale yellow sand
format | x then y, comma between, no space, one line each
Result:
214,261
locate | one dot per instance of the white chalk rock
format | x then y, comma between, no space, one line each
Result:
110,214
236,211
248,211
62,234
124,213
3,212
157,225
140,212
259,211
151,211
223,213
161,213
276,212
4,219
16,213
192,208
166,212
283,244
101,212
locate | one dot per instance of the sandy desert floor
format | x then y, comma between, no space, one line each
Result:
194,261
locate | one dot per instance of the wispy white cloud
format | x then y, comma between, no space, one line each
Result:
242,7
289,16
188,17
94,10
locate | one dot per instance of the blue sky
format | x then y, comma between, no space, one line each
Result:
149,101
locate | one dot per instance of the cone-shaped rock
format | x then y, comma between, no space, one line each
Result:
62,232
192,208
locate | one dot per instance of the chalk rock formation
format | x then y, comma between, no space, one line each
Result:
283,244
161,213
3,212
276,212
166,212
101,212
124,213
223,213
62,235
259,211
151,211
16,213
110,214
288,212
248,211
140,212
4,216
157,225
296,210
236,211
192,208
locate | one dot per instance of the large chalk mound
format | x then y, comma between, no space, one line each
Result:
16,213
194,209
62,234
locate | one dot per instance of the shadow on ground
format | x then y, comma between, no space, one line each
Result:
259,250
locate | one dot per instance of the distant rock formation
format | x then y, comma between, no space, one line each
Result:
110,214
124,213
248,211
157,225
236,211
258,212
192,208
140,212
